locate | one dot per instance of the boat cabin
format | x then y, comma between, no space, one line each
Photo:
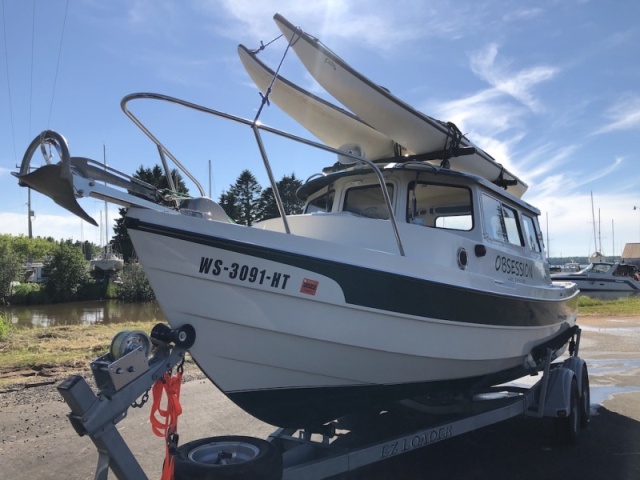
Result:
458,216
427,196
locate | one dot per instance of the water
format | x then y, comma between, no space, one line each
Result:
83,313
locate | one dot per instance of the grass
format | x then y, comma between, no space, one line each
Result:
623,306
5,327
49,351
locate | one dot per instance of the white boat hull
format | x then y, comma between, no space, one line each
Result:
113,265
604,280
294,330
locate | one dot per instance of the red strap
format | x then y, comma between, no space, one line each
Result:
164,422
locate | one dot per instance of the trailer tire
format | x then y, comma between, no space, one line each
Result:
227,458
585,400
567,428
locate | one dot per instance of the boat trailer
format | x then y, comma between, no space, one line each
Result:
131,368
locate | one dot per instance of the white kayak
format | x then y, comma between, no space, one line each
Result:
388,114
334,126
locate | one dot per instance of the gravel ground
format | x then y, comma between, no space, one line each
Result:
38,441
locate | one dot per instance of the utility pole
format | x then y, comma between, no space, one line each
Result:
30,212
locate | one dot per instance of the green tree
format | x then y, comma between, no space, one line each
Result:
25,248
67,272
154,176
242,199
287,186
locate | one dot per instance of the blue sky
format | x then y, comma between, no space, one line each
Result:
550,88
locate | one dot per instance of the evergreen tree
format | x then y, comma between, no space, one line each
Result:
242,199
154,176
229,204
287,186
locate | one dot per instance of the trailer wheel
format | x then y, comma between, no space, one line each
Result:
227,458
567,428
585,400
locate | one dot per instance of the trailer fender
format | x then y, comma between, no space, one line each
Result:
558,398
579,367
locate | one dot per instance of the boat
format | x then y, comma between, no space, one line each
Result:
107,260
605,280
402,278
567,267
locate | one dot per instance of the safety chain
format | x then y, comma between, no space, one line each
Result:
180,367
143,400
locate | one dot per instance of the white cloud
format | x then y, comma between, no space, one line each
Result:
380,25
517,84
495,118
59,227
623,115
545,159
571,221
483,113
522,14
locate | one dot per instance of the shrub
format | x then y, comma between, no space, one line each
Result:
135,285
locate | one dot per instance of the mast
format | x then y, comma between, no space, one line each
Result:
593,220
599,233
548,244
106,207
613,239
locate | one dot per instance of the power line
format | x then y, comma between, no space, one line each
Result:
33,36
6,56
55,79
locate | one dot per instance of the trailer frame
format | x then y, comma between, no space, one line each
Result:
341,446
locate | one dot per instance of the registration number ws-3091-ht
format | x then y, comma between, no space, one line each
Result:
243,273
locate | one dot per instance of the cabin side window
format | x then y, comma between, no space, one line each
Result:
510,218
500,221
439,206
322,203
367,201
531,237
